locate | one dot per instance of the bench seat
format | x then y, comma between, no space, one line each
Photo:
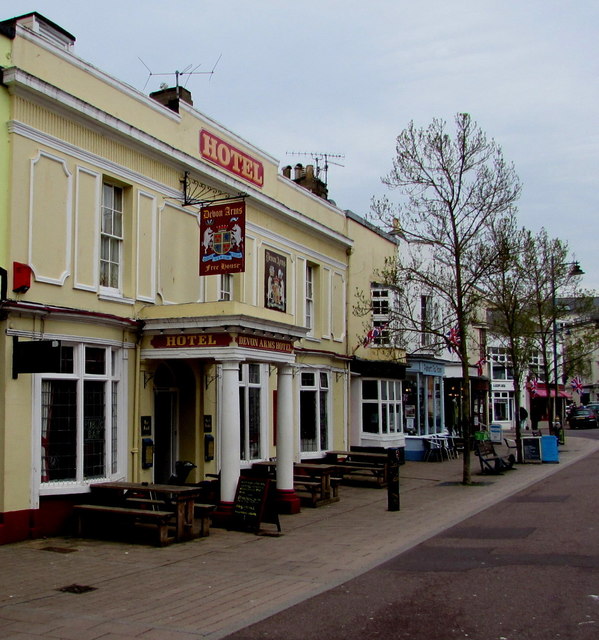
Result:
490,461
127,516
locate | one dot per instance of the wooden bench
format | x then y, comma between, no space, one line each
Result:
128,516
360,466
202,515
490,461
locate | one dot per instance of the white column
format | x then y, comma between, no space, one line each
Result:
229,437
285,431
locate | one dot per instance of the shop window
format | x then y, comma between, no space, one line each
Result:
79,415
381,407
250,411
502,406
314,411
111,237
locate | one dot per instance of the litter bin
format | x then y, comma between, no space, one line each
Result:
496,433
549,450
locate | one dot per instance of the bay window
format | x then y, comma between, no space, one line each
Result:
80,417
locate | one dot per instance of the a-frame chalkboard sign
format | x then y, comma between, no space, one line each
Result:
253,505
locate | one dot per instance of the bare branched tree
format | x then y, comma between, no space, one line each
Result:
551,277
510,317
454,191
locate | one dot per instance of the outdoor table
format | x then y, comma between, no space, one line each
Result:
181,497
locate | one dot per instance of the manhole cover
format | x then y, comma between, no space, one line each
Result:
76,588
58,549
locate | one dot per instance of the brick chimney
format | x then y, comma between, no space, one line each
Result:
305,177
170,97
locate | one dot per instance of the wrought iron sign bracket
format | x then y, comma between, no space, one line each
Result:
197,194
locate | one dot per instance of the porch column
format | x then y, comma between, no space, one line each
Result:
286,498
230,438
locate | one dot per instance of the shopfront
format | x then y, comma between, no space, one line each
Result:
423,397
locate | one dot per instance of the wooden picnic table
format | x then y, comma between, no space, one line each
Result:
180,500
360,465
315,483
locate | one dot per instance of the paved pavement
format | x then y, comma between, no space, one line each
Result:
211,587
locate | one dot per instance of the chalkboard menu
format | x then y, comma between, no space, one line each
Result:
531,449
252,505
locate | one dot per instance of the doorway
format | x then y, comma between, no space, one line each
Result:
166,430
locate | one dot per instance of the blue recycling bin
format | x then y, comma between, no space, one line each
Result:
549,449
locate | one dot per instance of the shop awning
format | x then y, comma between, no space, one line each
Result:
541,392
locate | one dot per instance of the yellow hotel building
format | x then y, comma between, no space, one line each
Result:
137,329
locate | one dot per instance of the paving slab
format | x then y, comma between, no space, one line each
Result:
210,587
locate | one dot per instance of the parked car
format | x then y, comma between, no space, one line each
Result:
593,406
583,417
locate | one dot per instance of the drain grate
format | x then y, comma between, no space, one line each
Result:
58,549
76,588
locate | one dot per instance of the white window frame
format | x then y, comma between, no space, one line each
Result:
225,287
389,408
115,434
114,238
499,359
382,301
245,384
506,398
309,299
318,389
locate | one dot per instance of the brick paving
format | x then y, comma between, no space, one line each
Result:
210,587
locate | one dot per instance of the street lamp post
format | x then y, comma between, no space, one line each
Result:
574,271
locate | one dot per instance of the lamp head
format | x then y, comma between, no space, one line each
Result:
576,270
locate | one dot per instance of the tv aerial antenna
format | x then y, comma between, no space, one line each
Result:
321,160
189,71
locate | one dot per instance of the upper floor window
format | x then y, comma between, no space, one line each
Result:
501,367
226,287
309,319
111,237
426,317
381,316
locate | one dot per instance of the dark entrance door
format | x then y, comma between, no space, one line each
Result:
165,434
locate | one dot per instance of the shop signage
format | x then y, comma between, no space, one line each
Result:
222,238
231,159
265,344
186,340
275,281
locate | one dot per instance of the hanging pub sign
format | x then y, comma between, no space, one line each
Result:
275,281
222,238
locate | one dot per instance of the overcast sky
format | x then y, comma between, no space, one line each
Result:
344,77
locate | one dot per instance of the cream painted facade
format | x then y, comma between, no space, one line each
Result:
100,261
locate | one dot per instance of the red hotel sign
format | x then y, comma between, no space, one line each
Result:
230,158
186,340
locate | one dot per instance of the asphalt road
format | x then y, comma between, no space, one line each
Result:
527,568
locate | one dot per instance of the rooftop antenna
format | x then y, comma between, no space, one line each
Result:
188,71
321,160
